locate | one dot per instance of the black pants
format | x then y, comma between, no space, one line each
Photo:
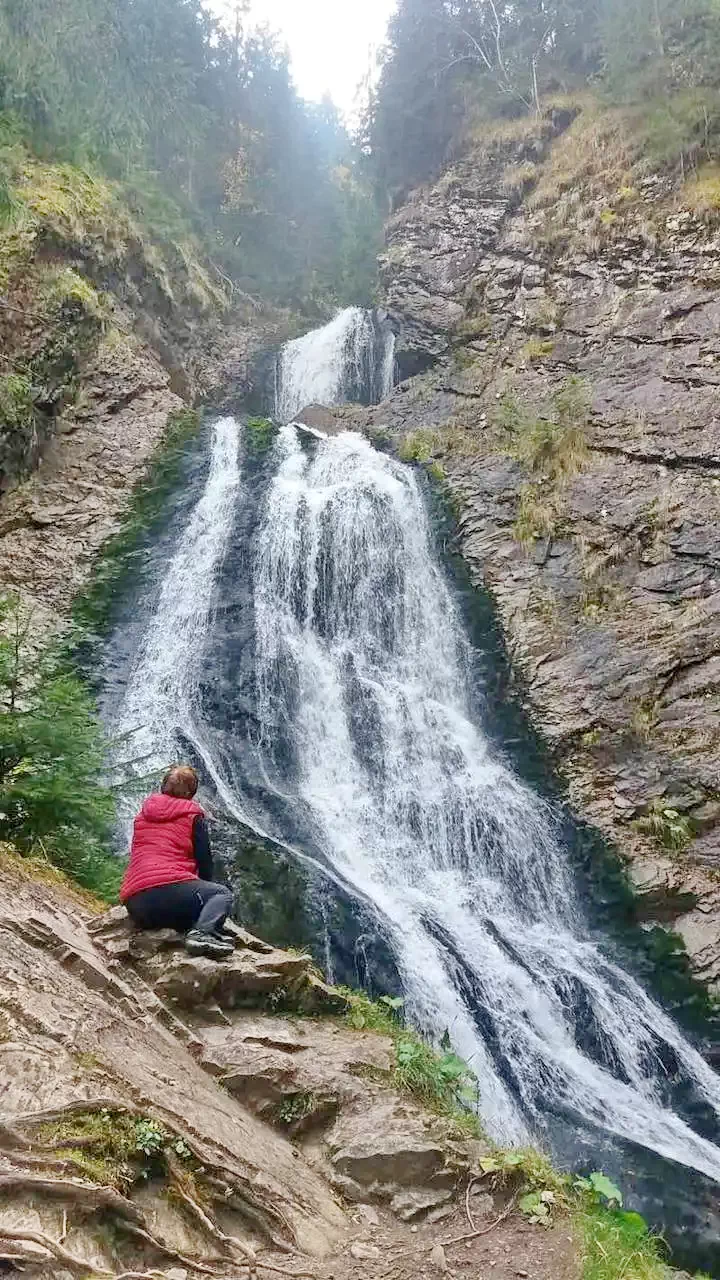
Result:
191,904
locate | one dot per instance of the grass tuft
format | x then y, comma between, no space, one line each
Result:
554,444
617,1244
436,1078
668,828
536,516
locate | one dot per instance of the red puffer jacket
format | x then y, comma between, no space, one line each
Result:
162,845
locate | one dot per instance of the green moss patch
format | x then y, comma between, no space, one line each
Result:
112,1148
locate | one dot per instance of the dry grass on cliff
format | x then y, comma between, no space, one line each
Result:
594,159
70,208
701,194
39,870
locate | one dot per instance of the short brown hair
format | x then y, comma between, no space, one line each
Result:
181,781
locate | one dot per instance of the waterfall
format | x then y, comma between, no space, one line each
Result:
355,713
361,656
161,694
351,358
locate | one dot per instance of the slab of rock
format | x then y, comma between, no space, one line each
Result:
320,419
255,974
403,1159
409,1205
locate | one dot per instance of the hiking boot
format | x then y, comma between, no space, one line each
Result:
208,944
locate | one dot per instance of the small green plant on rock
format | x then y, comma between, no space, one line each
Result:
296,1107
150,1137
437,1078
259,434
432,1076
669,829
615,1241
538,349
16,403
420,446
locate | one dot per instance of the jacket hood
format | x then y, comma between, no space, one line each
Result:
160,808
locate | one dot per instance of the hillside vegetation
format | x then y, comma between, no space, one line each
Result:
202,132
453,68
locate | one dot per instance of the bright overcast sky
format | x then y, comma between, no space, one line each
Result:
331,42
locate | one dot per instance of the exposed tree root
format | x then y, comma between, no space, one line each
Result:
80,1264
229,1243
236,1253
51,1246
252,1262
468,1193
483,1231
149,1238
95,1197
228,1196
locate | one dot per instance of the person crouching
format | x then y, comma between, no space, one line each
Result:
168,883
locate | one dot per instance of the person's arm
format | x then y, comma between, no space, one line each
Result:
201,848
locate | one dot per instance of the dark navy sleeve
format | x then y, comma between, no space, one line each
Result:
201,849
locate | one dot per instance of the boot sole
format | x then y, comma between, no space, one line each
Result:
208,952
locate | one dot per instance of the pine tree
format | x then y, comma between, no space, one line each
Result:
53,802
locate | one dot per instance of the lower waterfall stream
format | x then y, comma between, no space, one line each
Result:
354,738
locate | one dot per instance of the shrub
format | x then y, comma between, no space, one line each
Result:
53,802
16,403
668,828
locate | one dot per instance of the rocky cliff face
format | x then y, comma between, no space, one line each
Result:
564,304
105,332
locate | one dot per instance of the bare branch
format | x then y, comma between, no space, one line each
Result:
476,45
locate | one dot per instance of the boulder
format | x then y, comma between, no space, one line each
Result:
320,420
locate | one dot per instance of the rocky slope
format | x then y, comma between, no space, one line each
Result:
563,303
172,1116
107,330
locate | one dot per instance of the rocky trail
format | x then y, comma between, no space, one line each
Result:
168,1115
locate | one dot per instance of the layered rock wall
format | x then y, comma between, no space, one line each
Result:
568,325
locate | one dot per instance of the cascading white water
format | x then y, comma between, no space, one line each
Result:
161,693
340,361
361,657
361,670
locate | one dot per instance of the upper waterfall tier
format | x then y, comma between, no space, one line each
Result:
350,359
